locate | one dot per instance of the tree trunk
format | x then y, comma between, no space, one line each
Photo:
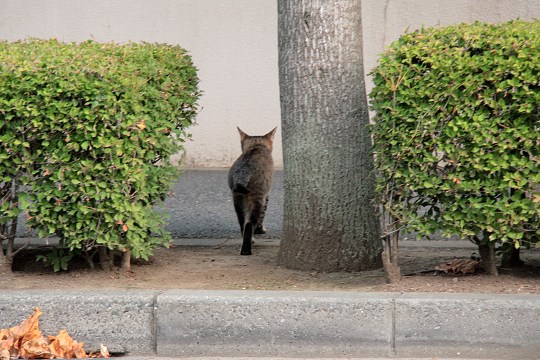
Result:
106,259
126,260
330,221
8,230
10,250
5,264
7,235
487,256
511,258
390,248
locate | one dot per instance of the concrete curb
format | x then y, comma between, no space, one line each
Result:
277,324
122,320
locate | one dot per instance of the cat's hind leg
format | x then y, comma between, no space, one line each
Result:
260,229
254,217
240,207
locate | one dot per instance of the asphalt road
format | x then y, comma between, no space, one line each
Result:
201,207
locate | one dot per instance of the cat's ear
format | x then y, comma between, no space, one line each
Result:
243,135
271,134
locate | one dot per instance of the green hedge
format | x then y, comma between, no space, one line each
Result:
456,131
89,129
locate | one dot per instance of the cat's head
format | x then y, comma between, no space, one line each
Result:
248,141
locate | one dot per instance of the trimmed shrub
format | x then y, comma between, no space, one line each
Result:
456,132
88,130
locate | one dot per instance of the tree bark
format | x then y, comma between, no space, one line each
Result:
487,256
390,247
511,258
8,230
106,259
5,264
126,260
330,221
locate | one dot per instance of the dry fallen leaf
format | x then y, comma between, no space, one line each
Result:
35,348
23,333
4,354
103,353
26,341
459,266
63,346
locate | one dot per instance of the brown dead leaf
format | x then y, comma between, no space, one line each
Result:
103,353
22,339
27,330
459,266
63,346
4,354
35,348
6,339
26,341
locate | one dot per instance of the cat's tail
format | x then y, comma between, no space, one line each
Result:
238,182
240,188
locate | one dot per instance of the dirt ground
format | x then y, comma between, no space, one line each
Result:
221,267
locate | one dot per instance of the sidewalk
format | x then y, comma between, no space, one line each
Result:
151,324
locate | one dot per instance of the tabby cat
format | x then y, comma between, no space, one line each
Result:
250,178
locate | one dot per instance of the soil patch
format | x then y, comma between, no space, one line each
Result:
221,267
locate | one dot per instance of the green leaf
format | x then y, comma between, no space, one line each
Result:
71,113
455,129
427,185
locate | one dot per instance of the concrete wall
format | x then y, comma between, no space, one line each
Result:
234,45
385,20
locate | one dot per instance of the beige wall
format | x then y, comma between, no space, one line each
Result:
234,45
385,20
